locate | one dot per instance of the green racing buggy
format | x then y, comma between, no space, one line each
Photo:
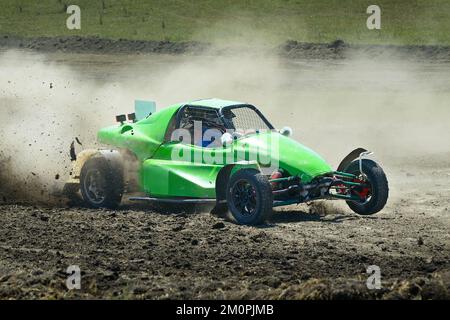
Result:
221,152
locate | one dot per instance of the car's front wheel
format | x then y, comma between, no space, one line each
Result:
374,193
249,197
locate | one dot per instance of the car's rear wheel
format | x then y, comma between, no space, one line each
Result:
101,183
374,193
249,197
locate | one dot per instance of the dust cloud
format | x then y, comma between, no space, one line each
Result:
397,108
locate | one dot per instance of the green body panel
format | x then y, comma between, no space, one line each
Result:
174,169
192,175
292,156
167,178
144,137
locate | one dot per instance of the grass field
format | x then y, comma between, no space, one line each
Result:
267,21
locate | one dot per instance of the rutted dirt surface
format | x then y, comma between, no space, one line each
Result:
305,252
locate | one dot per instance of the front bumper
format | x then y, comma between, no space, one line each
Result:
334,185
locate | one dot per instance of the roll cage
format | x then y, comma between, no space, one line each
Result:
222,114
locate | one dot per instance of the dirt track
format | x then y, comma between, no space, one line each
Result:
305,252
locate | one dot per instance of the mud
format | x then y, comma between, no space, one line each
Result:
305,252
341,50
291,49
398,110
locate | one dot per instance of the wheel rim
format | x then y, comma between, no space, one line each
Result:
94,185
244,197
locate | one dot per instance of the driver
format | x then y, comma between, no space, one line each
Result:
207,134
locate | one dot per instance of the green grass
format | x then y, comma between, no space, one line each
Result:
259,21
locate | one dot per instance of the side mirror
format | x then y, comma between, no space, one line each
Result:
132,117
121,118
286,131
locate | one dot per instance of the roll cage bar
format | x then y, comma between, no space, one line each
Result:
220,113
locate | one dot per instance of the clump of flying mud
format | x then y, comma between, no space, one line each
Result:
322,208
44,108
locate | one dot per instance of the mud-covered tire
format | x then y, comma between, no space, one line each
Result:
260,191
110,184
379,187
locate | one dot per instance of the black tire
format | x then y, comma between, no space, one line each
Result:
109,186
378,185
256,208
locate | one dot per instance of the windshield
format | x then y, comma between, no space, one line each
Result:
245,119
